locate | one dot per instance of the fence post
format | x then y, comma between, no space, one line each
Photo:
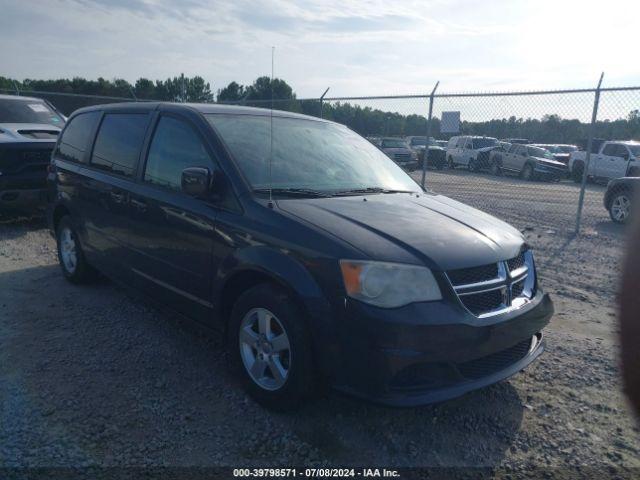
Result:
15,85
322,100
425,157
587,160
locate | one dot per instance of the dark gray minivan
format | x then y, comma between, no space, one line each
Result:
320,259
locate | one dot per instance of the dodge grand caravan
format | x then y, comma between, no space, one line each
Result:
320,259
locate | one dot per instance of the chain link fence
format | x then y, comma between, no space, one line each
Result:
482,149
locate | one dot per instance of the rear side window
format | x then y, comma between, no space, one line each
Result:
174,147
118,142
76,137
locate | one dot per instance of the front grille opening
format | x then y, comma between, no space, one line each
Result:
465,276
517,289
424,375
516,262
485,366
479,303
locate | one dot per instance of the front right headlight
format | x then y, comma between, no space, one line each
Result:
388,285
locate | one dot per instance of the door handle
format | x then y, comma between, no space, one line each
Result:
119,198
139,205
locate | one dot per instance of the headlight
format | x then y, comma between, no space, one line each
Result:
388,285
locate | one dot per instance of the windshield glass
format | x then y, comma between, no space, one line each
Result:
635,150
550,148
419,141
484,142
21,110
307,154
393,143
567,148
539,152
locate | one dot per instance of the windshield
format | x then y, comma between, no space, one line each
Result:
635,150
419,141
393,143
307,154
567,148
21,110
539,152
484,142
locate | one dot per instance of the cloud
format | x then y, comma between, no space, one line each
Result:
358,47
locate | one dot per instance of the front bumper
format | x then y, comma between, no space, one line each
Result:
551,172
430,352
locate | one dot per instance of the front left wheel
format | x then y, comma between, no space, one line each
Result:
270,348
620,208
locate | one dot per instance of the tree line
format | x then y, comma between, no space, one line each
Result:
365,120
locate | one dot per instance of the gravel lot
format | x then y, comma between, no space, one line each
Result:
91,376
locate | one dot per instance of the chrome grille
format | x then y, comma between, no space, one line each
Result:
495,288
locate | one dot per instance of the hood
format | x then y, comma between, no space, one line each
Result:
28,132
553,163
430,229
486,149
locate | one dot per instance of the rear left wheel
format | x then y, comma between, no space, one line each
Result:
270,348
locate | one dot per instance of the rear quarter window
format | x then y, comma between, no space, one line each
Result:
119,142
76,138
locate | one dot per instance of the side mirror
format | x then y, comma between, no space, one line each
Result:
196,181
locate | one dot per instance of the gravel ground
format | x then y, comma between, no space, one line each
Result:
92,376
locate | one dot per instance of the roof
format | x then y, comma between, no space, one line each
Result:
20,97
204,108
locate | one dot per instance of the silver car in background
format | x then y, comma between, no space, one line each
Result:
399,151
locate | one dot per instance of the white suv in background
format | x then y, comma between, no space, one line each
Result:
470,151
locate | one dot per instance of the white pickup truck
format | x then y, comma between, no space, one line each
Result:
614,159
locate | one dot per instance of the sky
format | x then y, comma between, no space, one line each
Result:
359,47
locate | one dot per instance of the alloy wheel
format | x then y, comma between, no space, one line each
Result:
265,349
68,250
620,208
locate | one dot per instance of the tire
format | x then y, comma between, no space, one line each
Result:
278,374
450,163
527,172
620,207
577,172
70,255
473,165
496,169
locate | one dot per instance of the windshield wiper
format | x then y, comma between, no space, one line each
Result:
357,191
294,192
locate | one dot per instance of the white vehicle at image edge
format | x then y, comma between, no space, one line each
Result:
614,159
470,151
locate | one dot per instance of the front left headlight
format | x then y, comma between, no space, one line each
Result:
388,285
